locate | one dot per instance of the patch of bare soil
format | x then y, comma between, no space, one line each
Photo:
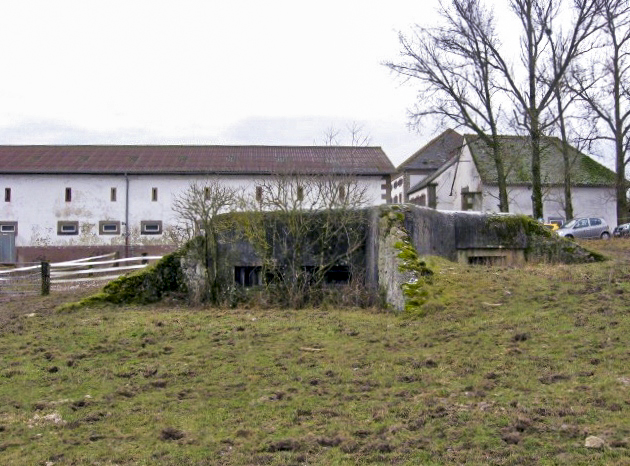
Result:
13,307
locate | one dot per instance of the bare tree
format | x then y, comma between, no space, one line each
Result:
305,226
533,95
603,87
199,210
564,99
356,135
453,64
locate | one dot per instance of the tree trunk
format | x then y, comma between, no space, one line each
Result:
620,155
566,159
504,205
568,201
537,198
212,247
621,184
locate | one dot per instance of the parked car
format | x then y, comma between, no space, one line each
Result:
622,230
591,227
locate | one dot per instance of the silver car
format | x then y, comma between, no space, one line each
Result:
591,227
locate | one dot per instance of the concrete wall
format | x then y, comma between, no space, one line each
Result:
397,239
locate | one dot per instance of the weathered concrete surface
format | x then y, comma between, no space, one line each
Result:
432,232
390,277
389,233
195,276
459,236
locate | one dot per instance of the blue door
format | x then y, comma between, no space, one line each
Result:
7,247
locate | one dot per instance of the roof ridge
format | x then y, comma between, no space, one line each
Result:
447,131
195,145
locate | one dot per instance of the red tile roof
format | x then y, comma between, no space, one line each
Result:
194,159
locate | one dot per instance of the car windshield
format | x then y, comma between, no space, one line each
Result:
569,224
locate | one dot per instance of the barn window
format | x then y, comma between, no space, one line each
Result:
108,227
112,195
259,193
67,228
8,227
206,194
68,194
342,193
151,227
154,194
7,194
300,193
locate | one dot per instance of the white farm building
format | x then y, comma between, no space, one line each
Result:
64,202
457,172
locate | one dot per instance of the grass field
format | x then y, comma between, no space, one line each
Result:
508,366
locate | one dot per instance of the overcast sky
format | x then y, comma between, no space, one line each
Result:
270,72
216,72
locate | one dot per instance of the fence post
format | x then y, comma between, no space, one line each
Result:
45,278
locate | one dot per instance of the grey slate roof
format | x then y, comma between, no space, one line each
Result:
516,149
172,159
435,153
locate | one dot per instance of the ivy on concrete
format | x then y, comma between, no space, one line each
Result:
542,245
145,286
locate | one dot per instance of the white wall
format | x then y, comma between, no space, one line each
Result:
587,202
398,188
401,183
415,178
38,204
448,194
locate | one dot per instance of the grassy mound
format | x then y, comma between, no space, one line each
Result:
517,366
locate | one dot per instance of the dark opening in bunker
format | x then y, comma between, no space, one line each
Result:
487,260
248,275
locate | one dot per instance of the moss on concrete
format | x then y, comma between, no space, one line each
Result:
542,245
403,276
145,286
416,288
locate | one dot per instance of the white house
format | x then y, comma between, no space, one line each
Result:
64,202
425,162
467,180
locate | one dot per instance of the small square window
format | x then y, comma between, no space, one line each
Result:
68,194
67,228
7,194
154,194
108,227
112,195
8,227
151,227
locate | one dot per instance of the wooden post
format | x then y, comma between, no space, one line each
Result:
45,278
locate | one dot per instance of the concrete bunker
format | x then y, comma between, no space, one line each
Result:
386,260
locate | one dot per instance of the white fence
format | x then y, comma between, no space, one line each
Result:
37,278
21,281
96,268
